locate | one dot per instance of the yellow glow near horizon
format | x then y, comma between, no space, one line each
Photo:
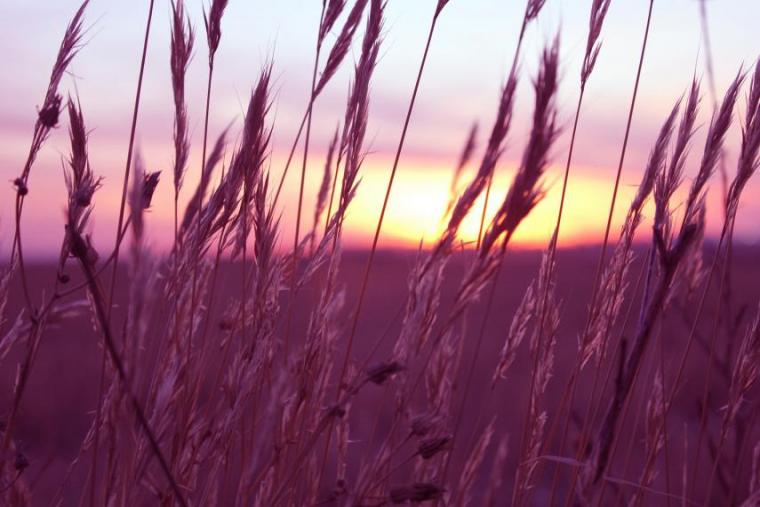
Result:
414,215
420,195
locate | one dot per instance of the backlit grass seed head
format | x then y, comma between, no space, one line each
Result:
141,194
333,9
655,167
72,39
417,492
380,373
491,156
749,155
716,133
341,46
81,184
21,187
440,6
425,424
182,40
324,188
50,112
212,160
527,189
518,329
671,178
464,159
593,44
248,162
80,181
149,187
357,108
432,446
213,22
606,308
533,9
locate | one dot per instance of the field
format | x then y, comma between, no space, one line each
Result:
253,363
62,390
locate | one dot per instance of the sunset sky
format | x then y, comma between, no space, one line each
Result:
469,59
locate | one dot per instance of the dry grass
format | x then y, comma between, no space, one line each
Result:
250,391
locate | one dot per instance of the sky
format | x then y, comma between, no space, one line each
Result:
470,55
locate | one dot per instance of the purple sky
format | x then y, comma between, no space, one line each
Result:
470,55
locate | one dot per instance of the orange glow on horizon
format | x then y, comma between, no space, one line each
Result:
467,65
413,218
421,192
